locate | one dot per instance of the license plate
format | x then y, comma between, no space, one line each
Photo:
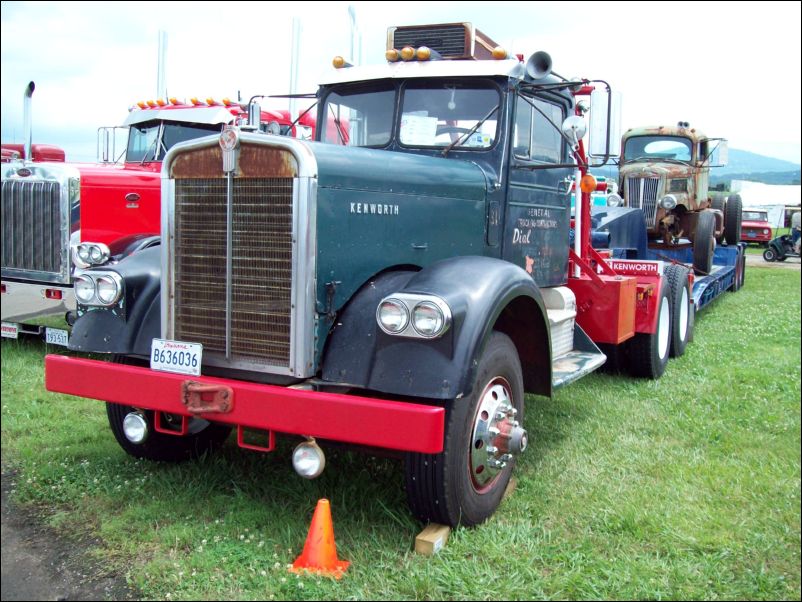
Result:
176,356
751,234
55,336
10,330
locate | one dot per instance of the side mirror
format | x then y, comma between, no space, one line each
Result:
719,152
605,124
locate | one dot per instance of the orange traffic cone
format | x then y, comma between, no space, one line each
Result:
320,551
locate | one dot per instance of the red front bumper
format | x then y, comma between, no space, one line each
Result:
359,420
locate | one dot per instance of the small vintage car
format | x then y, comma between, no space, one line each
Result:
755,227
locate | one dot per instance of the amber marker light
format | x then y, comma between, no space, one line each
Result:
424,53
499,53
407,53
588,183
174,100
392,55
338,62
194,100
160,102
141,104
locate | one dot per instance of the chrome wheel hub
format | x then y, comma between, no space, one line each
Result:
497,435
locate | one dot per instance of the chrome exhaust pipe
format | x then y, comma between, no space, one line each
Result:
27,128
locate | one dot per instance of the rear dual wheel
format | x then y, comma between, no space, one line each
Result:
648,352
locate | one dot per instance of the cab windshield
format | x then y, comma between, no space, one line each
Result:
433,114
151,141
658,148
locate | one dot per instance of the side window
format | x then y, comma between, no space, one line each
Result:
537,135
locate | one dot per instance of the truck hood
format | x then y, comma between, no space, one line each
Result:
649,169
119,200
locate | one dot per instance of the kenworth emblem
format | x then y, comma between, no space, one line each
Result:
373,209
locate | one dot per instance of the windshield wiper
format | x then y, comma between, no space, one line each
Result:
470,132
338,124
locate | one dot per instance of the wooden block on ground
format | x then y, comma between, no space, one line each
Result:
432,539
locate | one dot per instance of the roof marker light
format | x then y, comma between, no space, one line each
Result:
151,104
174,100
194,100
424,53
392,55
340,62
160,102
211,101
407,53
499,53
141,104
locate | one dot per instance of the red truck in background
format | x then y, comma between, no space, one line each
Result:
55,213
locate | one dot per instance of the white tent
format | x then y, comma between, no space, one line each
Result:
767,197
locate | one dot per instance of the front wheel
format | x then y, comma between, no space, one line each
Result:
770,255
704,243
464,484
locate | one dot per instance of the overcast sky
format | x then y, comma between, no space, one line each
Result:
731,69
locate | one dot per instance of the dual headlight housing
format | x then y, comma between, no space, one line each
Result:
98,288
414,316
87,254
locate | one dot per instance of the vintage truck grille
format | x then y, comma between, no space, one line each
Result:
33,240
261,276
642,194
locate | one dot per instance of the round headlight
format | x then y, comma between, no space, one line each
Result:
84,289
428,319
392,316
83,253
766,230
108,291
668,202
614,200
95,254
135,427
308,460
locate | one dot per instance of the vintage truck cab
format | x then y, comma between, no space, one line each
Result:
664,171
399,283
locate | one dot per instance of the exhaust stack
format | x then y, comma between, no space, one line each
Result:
27,128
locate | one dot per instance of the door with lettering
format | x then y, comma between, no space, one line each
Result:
538,212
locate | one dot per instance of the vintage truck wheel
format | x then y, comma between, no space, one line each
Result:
733,213
704,244
648,353
681,308
464,483
203,436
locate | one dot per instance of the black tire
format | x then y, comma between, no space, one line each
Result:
733,216
740,269
451,488
203,437
648,353
681,302
770,254
704,244
719,201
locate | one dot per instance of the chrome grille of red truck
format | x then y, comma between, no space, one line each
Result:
33,238
261,266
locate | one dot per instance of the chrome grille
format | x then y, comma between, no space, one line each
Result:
642,194
33,238
261,276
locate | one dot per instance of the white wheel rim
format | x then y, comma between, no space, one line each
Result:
683,314
663,329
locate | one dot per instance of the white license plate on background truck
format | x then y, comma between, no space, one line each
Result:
176,356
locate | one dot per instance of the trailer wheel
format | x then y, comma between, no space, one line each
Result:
704,243
733,214
740,269
681,308
465,482
648,353
203,436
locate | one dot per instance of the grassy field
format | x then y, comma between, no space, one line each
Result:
684,488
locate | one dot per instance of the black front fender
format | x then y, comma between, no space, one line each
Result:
128,327
484,294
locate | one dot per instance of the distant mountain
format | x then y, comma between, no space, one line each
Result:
742,165
744,162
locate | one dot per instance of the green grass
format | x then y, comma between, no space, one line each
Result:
684,488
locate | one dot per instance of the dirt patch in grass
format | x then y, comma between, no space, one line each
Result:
40,564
